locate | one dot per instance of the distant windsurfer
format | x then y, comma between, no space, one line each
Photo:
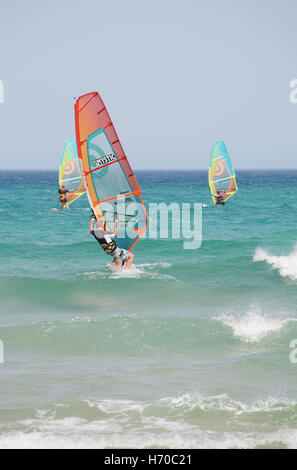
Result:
220,198
62,196
121,258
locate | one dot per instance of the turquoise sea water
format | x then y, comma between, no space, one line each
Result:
189,350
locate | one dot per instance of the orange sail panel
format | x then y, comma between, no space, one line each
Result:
112,189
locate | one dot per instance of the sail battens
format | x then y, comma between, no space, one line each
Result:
88,101
116,197
102,166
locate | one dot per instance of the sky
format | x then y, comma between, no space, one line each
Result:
175,76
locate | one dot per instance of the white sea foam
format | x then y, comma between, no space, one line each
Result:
116,406
140,424
286,265
253,326
162,264
133,272
223,402
139,270
144,270
192,439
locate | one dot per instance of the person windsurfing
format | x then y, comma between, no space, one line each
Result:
121,257
220,201
62,196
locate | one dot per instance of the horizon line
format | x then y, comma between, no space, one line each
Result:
157,169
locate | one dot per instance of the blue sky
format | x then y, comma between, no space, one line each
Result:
175,77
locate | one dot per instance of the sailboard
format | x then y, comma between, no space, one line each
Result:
70,175
111,187
221,175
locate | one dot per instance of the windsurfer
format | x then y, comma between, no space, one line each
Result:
121,258
220,201
62,196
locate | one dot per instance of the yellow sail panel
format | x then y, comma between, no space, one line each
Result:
70,175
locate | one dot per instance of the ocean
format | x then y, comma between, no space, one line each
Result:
191,349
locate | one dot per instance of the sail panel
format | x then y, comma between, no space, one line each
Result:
69,173
221,175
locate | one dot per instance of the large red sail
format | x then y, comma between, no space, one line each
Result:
106,170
